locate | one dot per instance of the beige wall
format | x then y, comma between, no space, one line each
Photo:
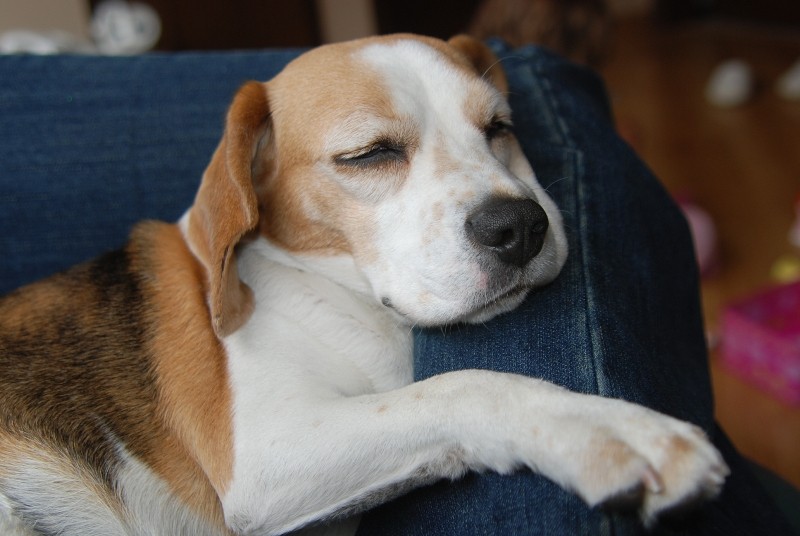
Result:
71,16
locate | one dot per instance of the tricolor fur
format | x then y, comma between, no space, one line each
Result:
248,370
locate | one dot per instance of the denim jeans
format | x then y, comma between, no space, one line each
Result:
90,145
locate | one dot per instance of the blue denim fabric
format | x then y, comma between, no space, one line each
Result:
90,145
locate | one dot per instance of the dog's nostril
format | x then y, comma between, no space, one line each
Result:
513,229
541,227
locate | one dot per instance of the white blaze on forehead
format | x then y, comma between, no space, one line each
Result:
422,80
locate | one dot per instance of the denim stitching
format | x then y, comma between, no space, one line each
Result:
595,339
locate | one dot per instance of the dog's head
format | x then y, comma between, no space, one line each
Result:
396,151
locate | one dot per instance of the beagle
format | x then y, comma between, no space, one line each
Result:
248,370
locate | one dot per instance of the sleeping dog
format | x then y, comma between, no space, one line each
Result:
248,369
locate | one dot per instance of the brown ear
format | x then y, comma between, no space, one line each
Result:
482,58
225,208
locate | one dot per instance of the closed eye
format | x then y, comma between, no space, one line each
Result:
373,155
496,128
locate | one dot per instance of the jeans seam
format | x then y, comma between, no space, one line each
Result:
593,328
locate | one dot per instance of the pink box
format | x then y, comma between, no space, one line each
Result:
760,339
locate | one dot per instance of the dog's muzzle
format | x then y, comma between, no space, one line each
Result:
513,230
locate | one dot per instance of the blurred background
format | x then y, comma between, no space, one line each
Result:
706,91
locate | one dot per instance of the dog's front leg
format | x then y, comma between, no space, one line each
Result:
343,455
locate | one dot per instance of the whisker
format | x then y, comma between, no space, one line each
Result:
499,60
489,68
547,188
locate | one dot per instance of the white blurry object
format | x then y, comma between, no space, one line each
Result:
30,42
119,27
730,84
788,85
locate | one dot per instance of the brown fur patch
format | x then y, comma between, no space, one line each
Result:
196,458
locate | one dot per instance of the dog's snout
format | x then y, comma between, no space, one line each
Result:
513,229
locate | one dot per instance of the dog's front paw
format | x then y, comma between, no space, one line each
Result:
634,454
689,467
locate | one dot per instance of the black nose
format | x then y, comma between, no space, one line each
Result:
513,229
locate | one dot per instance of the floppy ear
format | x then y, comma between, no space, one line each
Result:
482,59
225,208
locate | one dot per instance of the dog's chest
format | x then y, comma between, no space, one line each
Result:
309,331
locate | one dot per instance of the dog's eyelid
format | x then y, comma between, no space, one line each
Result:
499,125
376,153
502,116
